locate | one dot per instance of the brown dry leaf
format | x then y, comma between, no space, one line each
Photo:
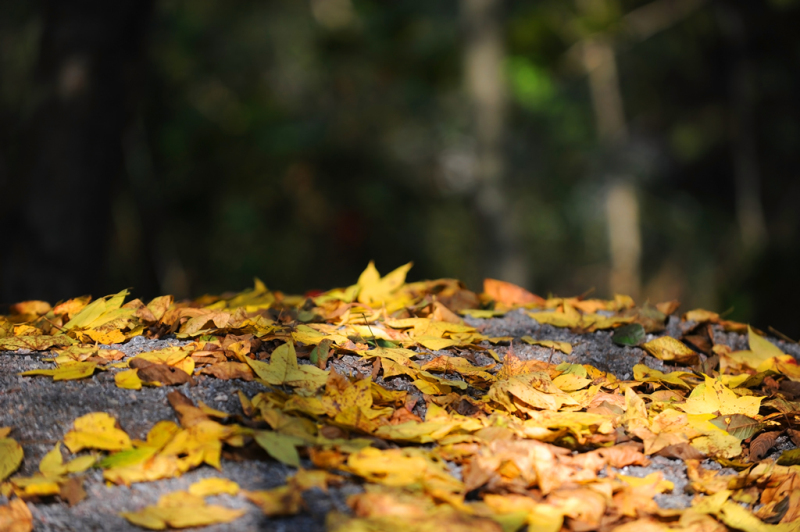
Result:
229,370
762,444
16,517
152,373
72,491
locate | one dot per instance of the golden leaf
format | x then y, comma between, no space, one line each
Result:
181,510
214,486
670,349
10,457
96,431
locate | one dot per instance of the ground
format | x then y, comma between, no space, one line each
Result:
41,412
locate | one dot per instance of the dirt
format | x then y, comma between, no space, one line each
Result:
41,412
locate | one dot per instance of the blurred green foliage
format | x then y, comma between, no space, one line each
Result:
295,141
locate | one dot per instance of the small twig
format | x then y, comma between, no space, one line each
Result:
374,339
54,325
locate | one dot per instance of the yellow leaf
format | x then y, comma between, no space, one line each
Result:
761,348
668,348
95,310
306,479
73,371
181,510
435,344
10,457
146,470
34,343
740,518
395,354
643,373
113,336
52,464
701,316
480,313
37,485
128,379
214,486
96,431
564,347
557,319
718,444
712,396
570,383
534,389
402,467
653,479
80,464
375,290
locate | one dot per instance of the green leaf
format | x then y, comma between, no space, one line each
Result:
790,457
280,446
630,335
739,425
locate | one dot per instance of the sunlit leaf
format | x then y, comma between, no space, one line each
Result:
181,510
10,457
96,431
670,349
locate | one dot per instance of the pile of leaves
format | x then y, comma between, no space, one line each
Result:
466,440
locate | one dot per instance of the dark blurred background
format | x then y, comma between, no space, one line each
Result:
641,146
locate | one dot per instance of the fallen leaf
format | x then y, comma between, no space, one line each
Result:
762,444
181,510
510,294
16,517
670,349
70,371
128,379
285,500
152,373
72,491
630,335
213,486
96,431
34,343
564,347
11,455
713,397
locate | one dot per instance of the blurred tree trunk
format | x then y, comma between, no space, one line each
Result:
597,54
88,73
621,201
749,209
486,88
